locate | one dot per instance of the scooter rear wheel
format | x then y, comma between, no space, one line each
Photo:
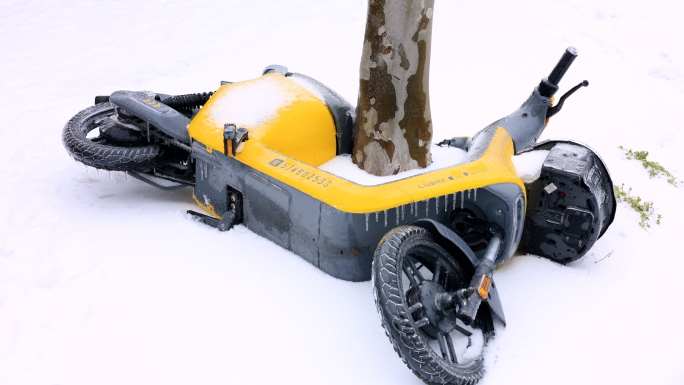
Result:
409,268
105,153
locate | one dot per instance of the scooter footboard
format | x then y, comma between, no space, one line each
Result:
571,204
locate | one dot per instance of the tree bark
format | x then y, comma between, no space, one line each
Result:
393,128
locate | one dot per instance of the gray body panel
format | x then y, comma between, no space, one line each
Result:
526,124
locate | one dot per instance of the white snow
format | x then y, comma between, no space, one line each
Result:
342,166
528,164
309,86
107,281
250,104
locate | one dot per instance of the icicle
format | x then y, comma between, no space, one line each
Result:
468,194
462,198
126,173
416,209
403,209
397,215
367,215
110,175
446,203
436,205
411,205
455,201
98,173
427,207
385,211
376,216
475,196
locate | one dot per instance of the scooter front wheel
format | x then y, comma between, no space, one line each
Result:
409,271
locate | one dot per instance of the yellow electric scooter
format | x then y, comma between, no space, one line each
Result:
252,151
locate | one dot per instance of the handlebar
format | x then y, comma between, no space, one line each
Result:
549,85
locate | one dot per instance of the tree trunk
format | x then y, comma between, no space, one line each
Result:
393,128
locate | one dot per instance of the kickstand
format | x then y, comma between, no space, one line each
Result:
227,221
232,216
224,224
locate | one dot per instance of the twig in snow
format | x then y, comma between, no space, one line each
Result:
609,254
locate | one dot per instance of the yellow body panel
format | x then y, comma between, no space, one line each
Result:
209,208
291,121
493,167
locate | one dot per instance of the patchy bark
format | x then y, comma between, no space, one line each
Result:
393,128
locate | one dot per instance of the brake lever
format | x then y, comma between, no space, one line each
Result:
555,109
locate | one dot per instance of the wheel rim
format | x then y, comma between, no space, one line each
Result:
426,271
107,128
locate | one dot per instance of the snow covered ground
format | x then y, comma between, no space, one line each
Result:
105,280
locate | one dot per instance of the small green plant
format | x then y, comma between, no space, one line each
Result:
645,209
653,168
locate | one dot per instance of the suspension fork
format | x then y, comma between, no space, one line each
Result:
478,289
467,301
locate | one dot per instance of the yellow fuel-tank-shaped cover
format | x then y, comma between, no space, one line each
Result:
279,112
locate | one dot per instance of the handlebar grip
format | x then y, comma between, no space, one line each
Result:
549,85
563,65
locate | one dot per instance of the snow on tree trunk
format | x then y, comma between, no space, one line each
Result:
393,128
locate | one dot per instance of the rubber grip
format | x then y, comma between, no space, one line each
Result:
563,64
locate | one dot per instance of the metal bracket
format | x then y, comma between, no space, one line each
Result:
157,182
232,137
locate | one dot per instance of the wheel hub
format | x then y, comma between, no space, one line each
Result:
441,319
119,131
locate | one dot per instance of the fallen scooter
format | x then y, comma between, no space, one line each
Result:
252,152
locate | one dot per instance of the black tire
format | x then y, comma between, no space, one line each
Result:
103,155
429,357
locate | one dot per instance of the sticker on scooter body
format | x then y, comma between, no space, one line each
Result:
300,171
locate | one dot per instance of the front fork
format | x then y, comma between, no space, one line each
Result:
467,301
477,291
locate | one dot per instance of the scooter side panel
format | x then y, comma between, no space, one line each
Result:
271,209
267,209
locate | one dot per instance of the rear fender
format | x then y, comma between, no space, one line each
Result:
457,247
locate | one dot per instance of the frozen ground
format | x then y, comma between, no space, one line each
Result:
106,281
